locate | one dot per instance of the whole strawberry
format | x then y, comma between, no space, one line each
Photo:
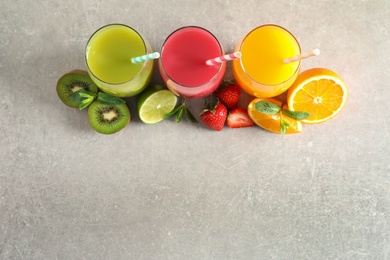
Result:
214,116
229,93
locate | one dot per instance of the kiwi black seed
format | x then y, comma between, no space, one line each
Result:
108,118
72,82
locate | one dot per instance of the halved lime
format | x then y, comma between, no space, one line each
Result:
154,103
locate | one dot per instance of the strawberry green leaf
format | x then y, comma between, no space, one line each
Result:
266,107
298,115
228,82
108,99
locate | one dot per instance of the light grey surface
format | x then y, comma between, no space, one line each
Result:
182,191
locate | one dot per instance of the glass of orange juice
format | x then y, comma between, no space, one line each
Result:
109,54
261,71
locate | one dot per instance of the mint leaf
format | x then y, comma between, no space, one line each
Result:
85,98
266,107
80,94
108,99
179,114
298,115
173,112
85,102
190,117
83,93
178,111
76,96
283,126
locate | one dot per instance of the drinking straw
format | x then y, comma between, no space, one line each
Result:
302,56
149,56
227,57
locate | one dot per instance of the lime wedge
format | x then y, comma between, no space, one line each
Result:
154,103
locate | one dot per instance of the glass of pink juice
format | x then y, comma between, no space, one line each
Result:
182,64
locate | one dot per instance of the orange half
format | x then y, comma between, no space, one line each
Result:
319,91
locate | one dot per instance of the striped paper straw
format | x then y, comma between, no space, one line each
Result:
218,60
149,56
302,56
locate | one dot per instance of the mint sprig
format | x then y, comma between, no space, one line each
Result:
75,96
86,98
270,108
173,112
110,100
86,102
179,111
190,117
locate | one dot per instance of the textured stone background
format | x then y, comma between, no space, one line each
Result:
182,191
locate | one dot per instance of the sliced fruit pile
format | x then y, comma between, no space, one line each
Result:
106,114
214,115
268,114
316,96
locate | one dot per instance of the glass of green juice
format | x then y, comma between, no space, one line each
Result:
108,57
261,71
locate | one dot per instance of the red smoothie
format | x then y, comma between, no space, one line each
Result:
183,62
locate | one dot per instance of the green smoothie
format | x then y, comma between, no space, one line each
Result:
108,56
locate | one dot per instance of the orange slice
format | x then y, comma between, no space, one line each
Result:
319,91
272,122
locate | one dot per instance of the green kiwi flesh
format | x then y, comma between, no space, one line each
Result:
108,118
72,82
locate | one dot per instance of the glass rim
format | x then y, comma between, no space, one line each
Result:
182,28
270,25
109,25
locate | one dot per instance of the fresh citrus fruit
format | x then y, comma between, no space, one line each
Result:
154,103
272,122
319,91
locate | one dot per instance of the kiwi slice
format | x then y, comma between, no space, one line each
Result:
70,83
107,118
